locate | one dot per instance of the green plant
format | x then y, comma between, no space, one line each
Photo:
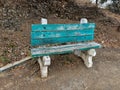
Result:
114,6
4,59
102,1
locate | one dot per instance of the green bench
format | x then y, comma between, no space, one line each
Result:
52,39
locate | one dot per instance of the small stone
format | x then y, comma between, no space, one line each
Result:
22,53
102,42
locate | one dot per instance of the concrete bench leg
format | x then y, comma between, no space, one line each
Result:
86,56
44,63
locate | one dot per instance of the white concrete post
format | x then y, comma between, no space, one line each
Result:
44,21
44,63
83,20
46,60
86,55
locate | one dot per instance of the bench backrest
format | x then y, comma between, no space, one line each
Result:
43,34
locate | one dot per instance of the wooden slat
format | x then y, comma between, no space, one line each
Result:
61,33
37,52
65,33
52,27
44,41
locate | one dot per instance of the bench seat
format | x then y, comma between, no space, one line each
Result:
62,49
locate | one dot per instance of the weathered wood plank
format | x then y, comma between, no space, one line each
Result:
37,52
44,41
52,27
61,33
65,33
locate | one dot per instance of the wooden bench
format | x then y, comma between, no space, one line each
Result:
51,39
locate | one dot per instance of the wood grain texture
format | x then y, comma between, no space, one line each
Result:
61,33
38,42
52,27
37,52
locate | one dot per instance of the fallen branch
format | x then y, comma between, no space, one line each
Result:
8,66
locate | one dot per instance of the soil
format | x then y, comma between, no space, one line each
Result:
67,72
66,75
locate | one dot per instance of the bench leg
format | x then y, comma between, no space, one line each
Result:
44,63
86,56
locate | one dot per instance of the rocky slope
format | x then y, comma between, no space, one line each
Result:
14,12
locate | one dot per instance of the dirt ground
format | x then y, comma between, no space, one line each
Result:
67,72
104,75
